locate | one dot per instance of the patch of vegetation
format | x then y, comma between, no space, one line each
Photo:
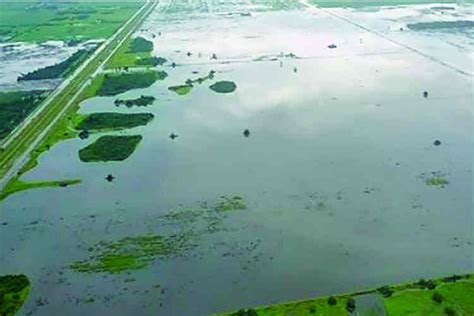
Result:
437,181
14,290
223,87
131,253
15,107
406,299
110,148
141,101
140,45
150,61
59,70
436,25
113,121
227,204
188,86
117,83
67,21
181,89
16,185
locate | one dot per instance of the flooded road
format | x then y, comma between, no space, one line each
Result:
334,172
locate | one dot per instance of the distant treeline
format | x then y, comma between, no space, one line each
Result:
59,70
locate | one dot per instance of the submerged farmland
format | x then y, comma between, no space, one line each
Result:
231,155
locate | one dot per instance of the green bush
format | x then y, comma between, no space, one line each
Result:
449,311
350,305
332,301
438,298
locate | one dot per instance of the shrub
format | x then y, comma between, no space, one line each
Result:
332,301
243,312
438,298
312,310
385,290
449,311
430,284
350,305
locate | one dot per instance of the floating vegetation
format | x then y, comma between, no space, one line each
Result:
181,89
143,100
223,87
276,56
117,83
230,204
110,148
14,290
113,121
435,178
131,253
422,26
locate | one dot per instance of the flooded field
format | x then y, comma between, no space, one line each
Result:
325,168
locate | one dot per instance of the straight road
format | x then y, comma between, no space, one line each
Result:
16,150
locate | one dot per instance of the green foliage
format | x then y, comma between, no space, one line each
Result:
385,290
350,305
110,148
58,70
150,61
131,253
112,121
16,185
141,101
438,298
181,89
230,204
14,290
117,83
245,312
140,45
223,87
15,106
332,300
448,311
437,181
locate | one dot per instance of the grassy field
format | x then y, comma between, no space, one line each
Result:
445,296
62,20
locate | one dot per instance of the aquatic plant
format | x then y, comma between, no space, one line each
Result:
230,204
131,253
437,181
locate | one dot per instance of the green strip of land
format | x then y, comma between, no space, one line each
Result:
447,296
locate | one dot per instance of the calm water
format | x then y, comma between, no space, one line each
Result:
330,173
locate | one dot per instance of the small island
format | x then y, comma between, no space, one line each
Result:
223,87
113,121
143,100
110,148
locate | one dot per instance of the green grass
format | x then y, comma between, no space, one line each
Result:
113,84
130,253
113,121
16,185
14,290
110,148
62,21
407,299
135,52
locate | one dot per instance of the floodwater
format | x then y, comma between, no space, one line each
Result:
332,172
21,58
